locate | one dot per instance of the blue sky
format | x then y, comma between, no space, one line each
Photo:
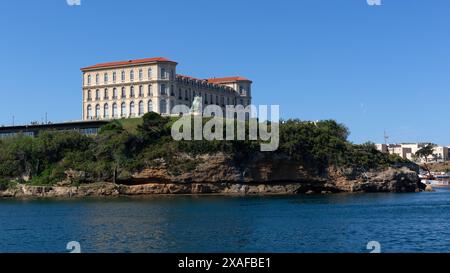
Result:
371,68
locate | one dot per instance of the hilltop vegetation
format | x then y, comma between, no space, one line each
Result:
125,146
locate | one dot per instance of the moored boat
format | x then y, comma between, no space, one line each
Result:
436,179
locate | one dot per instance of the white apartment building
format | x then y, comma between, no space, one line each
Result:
132,88
382,148
408,151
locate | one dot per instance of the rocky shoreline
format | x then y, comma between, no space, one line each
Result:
110,189
392,180
216,174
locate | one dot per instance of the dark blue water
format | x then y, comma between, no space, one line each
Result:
334,223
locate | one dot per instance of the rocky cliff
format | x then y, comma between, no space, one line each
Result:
220,174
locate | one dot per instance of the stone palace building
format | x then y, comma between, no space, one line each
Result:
132,88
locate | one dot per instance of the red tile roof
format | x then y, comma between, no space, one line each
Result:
130,62
228,80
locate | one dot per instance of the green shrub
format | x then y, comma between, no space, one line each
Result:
49,176
4,184
125,146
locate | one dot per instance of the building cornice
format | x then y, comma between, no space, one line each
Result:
129,63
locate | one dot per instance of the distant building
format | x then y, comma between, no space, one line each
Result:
408,151
83,127
398,149
440,153
382,148
133,88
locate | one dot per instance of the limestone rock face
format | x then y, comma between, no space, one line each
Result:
269,174
219,174
389,180
429,188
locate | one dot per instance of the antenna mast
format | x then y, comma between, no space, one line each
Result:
386,137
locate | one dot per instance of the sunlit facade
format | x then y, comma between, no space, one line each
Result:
132,88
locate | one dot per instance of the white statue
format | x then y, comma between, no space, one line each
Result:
196,105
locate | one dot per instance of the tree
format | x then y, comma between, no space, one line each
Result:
424,153
114,146
153,127
113,127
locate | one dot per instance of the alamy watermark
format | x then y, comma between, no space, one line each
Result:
235,124
74,247
374,2
374,246
73,2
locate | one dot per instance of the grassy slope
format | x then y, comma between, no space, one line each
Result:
131,124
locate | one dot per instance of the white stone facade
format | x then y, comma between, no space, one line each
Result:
408,151
132,88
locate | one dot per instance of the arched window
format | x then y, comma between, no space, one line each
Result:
132,75
150,106
150,91
106,95
123,76
96,79
89,112
141,108
180,94
163,73
114,93
149,73
132,108
123,109
141,91
114,76
105,78
140,74
89,80
163,107
132,91
186,96
97,94
124,94
114,110
97,111
106,110
89,95
163,89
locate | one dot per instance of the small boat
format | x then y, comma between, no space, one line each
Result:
436,179
436,183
